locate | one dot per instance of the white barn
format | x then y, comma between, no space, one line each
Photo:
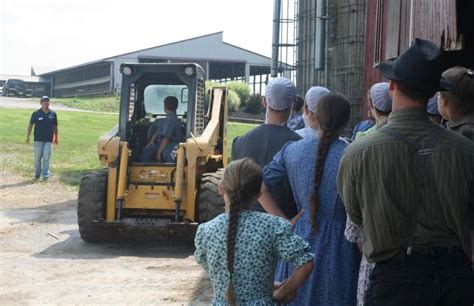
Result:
220,60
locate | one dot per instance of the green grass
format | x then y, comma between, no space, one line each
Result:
97,103
77,150
75,154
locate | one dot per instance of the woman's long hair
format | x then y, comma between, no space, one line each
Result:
332,114
242,182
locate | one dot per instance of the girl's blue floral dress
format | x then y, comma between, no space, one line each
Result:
261,241
333,280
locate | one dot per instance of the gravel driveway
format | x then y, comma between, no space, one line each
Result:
44,261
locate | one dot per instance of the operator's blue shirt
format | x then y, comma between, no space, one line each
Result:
169,127
44,125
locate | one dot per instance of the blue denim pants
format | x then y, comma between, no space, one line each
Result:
42,155
149,153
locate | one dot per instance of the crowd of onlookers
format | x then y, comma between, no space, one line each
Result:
383,218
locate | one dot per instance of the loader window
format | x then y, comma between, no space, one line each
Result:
155,95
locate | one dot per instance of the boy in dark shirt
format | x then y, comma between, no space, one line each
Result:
264,141
167,135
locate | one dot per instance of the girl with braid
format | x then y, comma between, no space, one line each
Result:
311,166
240,248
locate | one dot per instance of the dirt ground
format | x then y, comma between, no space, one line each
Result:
44,261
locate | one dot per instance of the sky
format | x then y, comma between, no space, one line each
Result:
54,34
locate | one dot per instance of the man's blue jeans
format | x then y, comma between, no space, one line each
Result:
42,156
149,153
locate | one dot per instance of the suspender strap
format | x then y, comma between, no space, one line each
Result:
421,156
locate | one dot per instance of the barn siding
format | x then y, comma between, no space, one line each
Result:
435,20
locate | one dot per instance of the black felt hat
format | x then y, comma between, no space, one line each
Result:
419,66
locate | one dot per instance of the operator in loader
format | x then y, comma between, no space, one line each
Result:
166,137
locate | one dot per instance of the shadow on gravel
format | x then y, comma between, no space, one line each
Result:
203,292
75,248
72,177
16,185
52,213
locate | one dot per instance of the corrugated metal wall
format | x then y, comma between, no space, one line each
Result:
89,79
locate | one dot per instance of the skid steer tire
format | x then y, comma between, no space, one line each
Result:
91,206
210,202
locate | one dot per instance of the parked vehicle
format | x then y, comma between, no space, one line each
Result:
28,93
2,83
14,87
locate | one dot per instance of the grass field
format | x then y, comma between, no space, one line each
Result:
95,103
76,152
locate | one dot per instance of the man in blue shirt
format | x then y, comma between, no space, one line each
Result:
167,135
45,122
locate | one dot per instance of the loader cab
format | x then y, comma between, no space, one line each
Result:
130,196
144,88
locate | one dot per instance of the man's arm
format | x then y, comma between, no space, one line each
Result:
268,203
347,188
289,287
164,142
470,211
55,134
153,139
28,133
30,127
234,150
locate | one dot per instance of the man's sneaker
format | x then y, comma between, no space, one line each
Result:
37,177
45,179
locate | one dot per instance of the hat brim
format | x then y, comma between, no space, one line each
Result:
388,72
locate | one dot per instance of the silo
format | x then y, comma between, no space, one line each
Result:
347,71
307,75
343,63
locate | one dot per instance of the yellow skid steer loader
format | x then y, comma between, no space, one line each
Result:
163,199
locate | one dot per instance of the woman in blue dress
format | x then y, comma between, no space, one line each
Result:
240,248
311,166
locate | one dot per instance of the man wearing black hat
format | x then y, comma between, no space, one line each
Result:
409,185
45,122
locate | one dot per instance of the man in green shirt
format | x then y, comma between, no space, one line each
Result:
409,186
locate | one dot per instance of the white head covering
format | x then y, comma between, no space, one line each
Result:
380,97
313,95
432,107
280,93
